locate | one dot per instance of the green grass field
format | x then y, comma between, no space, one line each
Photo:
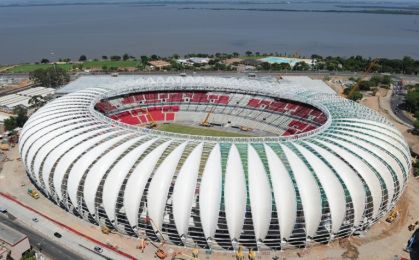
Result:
24,68
191,130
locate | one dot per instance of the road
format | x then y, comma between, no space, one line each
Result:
396,101
69,240
38,241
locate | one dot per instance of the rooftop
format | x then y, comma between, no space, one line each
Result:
126,81
159,63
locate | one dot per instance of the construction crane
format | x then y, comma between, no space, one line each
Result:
356,86
205,122
152,123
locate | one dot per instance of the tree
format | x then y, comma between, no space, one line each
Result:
50,77
115,58
265,65
44,61
356,96
9,123
104,57
415,129
17,120
83,58
125,56
316,57
248,53
144,59
301,66
37,102
285,66
366,85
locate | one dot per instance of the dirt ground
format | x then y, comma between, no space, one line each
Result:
382,241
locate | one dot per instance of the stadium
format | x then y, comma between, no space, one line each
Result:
216,162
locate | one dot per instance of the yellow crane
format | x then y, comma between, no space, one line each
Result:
152,123
205,122
356,86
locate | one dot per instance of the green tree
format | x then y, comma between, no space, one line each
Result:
301,66
17,120
125,56
37,102
9,123
83,58
412,100
44,61
115,58
366,85
248,53
104,57
144,59
356,96
50,77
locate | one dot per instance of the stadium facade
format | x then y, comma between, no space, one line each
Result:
319,166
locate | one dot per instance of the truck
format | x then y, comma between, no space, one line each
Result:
33,193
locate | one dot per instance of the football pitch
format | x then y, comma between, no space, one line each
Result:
195,130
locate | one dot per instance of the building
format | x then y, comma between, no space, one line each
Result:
159,64
233,61
317,167
251,62
21,99
12,241
193,60
290,61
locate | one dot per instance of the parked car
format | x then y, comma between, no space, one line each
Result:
98,249
3,210
35,219
57,235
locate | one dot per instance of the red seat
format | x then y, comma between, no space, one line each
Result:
170,116
253,102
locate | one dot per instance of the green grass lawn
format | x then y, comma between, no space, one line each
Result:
24,68
191,130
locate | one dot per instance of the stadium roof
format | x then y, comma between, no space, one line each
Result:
126,81
332,181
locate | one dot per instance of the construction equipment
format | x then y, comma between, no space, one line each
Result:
356,86
245,129
105,230
251,255
5,147
205,122
33,193
239,254
160,253
195,253
152,123
392,216
413,226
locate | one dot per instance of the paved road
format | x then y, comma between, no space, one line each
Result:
396,101
48,247
70,240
